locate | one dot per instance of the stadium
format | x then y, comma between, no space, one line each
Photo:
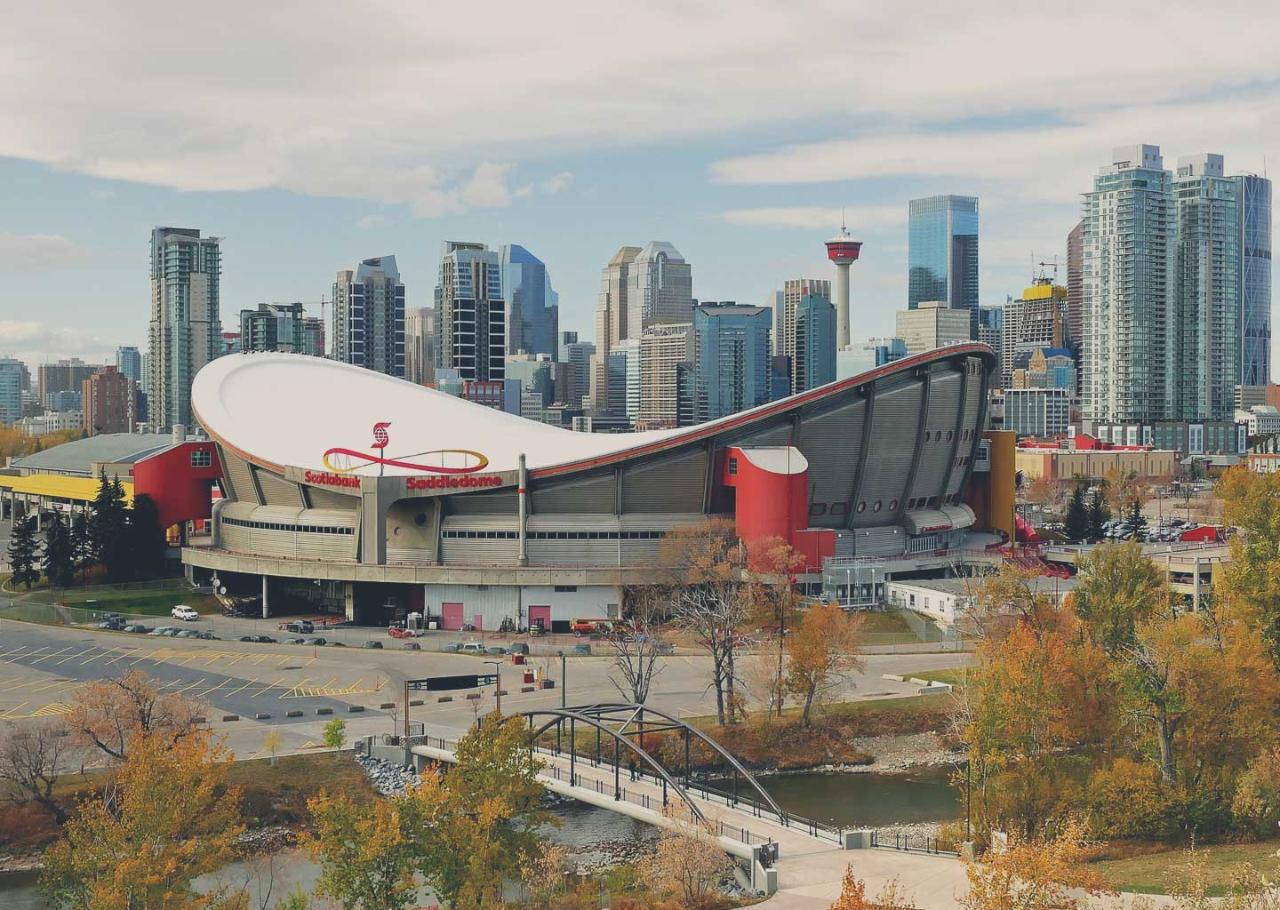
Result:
350,492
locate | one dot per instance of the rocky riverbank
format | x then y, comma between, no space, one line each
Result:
890,754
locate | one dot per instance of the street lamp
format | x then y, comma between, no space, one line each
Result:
497,669
563,681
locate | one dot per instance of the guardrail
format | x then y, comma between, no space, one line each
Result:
909,843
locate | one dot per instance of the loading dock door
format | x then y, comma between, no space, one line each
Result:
451,617
540,614
478,622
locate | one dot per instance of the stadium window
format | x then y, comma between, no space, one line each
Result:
201,458
733,466
893,505
862,507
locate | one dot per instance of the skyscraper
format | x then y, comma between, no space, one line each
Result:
814,363
577,357
942,253
787,303
108,401
624,380
666,353
471,325
420,345
129,363
731,359
1129,345
1207,266
313,336
185,331
1254,194
368,316
14,379
66,375
273,327
533,311
1038,319
1075,284
991,331
661,288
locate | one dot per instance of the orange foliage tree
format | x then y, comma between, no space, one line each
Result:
1034,875
108,713
822,649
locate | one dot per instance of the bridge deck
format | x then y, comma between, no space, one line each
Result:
809,867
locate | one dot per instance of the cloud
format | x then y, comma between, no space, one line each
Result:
22,252
369,222
37,342
557,183
818,218
397,127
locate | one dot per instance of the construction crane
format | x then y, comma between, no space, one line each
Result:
1054,263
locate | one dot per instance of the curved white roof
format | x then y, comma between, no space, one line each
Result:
287,410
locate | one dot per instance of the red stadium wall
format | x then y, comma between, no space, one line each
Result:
767,504
181,490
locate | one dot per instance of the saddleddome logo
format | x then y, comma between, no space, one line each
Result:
343,462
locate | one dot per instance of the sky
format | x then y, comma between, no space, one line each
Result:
313,134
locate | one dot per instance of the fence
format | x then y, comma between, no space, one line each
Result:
909,842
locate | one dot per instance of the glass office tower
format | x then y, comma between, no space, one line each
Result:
1255,283
942,254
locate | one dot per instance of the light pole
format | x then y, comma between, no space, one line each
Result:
563,681
497,669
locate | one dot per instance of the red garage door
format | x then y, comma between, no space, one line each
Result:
451,616
540,613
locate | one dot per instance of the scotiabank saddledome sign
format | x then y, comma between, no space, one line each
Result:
342,463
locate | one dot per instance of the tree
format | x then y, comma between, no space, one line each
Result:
853,895
108,525
366,852
24,550
335,733
81,544
31,759
636,651
1030,875
147,544
714,600
1077,523
1256,803
108,713
689,864
821,650
1099,514
774,564
171,818
272,742
1136,523
59,552
1119,587
1249,584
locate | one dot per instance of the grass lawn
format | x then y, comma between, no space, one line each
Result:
1160,870
954,676
145,599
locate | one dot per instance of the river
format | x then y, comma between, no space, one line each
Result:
593,834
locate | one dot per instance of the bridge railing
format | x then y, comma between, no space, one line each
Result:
908,842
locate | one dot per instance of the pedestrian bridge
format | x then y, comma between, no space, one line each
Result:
638,761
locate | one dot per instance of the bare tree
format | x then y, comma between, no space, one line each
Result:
108,712
636,652
31,759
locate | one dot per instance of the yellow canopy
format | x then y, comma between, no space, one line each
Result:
58,486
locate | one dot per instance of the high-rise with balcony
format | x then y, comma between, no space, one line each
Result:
1254,195
1130,341
185,331
368,316
108,402
129,362
814,362
666,357
533,310
786,304
420,345
273,327
942,253
731,359
1207,293
14,380
471,325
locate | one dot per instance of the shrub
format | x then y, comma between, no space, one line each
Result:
1128,799
1256,805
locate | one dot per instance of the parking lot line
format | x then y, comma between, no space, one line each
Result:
81,654
212,689
268,687
243,687
13,712
187,687
47,656
7,654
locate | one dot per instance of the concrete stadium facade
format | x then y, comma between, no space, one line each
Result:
497,520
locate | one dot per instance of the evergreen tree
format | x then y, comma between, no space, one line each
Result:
108,526
81,545
59,552
1137,522
1077,524
1099,514
147,544
24,551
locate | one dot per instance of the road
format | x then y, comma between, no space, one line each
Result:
41,667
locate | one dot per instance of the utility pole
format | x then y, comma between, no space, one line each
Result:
497,669
563,681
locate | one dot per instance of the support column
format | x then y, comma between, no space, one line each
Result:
523,490
266,609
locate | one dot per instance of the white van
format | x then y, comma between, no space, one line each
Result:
185,613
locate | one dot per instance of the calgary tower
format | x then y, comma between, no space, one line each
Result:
843,251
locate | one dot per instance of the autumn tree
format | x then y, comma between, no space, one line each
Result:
713,601
32,757
335,733
107,713
1119,587
637,649
1034,875
366,852
1249,583
775,605
853,895
172,817
687,864
822,650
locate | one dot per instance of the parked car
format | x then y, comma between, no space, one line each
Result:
377,645
185,613
186,633
452,647
260,639
298,626
518,647
471,647
582,649
314,641
495,649
159,630
174,633
114,625
207,636
138,628
295,641
412,646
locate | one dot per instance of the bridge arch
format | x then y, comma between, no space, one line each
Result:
621,721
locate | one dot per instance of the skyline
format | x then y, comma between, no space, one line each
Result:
702,142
